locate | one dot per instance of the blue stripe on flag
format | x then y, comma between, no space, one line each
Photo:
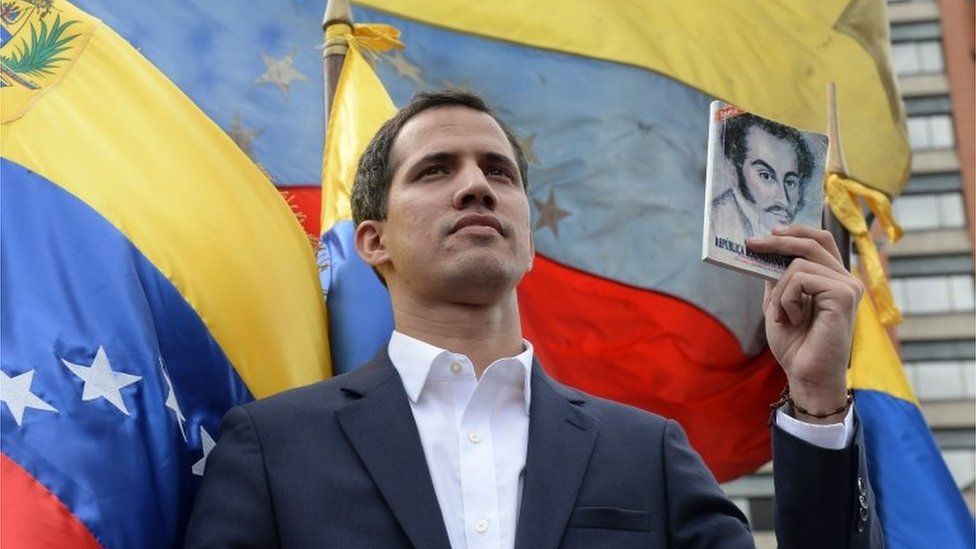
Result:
918,501
72,284
360,317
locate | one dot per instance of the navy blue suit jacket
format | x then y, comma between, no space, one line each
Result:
340,464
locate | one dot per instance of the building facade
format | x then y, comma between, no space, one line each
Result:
931,268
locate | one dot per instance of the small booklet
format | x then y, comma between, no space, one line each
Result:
760,174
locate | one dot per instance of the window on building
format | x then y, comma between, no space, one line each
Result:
933,182
917,57
942,379
934,294
918,212
930,132
917,31
943,264
927,104
946,349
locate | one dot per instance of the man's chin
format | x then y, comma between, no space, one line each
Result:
484,270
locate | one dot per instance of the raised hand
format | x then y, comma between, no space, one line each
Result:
810,314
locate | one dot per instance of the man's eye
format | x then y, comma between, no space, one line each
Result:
433,170
765,176
791,182
495,171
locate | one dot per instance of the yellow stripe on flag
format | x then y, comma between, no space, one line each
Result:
875,364
772,58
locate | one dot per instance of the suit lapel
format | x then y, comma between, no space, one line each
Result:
561,438
381,429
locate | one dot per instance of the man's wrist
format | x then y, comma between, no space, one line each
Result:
818,404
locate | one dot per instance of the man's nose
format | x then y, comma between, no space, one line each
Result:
782,194
475,191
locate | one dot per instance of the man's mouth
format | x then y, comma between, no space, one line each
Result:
478,220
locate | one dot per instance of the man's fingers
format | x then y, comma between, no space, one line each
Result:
822,236
807,248
816,268
803,288
792,303
767,291
771,296
790,295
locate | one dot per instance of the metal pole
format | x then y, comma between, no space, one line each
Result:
337,12
836,164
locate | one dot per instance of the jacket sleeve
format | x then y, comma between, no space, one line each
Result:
699,513
233,507
823,497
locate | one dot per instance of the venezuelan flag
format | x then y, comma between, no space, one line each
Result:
609,100
610,103
140,248
917,499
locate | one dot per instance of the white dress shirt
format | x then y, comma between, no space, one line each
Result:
475,434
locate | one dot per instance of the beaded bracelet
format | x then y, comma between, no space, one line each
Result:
786,398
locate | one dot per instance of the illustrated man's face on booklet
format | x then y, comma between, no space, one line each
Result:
769,177
761,174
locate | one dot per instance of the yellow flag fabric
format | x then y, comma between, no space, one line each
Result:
875,364
113,131
360,106
744,53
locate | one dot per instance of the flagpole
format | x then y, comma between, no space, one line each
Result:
836,164
337,12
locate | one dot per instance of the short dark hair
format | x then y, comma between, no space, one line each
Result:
371,187
735,147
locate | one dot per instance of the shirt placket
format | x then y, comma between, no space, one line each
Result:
479,487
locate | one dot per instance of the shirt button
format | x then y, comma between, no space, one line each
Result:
455,367
481,526
474,437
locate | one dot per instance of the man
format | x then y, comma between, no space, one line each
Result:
453,436
773,166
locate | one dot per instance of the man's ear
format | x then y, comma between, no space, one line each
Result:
369,243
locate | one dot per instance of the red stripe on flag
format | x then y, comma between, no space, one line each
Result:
655,352
33,517
306,203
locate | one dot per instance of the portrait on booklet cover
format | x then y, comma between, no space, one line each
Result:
760,174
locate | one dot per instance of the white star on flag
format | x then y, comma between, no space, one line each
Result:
208,444
101,381
171,402
280,72
15,391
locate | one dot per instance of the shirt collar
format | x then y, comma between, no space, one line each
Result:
413,359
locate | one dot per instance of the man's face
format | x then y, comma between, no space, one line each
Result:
770,174
457,225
